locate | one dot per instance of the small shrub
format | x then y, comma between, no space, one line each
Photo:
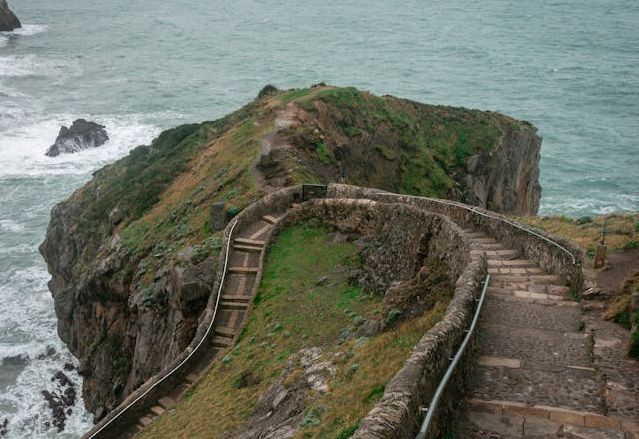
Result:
268,90
233,211
323,153
584,220
591,251
631,245
375,393
348,431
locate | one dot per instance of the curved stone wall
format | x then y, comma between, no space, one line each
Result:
408,231
537,246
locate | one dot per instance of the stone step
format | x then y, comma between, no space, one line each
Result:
166,402
145,421
542,279
519,314
562,387
517,263
536,348
225,331
243,270
509,253
222,342
261,231
251,242
235,298
541,420
157,410
234,305
247,249
489,246
269,219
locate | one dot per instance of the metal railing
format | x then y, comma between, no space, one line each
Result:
190,355
430,410
474,209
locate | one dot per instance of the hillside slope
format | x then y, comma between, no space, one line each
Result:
132,254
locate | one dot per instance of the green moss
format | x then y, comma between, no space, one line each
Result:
324,154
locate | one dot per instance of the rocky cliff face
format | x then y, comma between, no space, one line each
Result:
8,20
133,255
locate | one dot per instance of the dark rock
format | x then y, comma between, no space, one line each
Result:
8,20
3,427
321,281
69,367
81,135
218,217
61,402
267,91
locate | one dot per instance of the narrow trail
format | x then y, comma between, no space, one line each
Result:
535,375
234,304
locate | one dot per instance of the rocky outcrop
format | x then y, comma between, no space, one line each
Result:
81,135
8,20
506,179
133,253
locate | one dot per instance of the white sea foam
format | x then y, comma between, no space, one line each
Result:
32,65
30,29
23,149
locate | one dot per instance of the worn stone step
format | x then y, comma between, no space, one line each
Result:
251,242
261,231
243,270
541,420
222,342
225,331
145,421
166,402
234,305
525,315
247,249
524,278
518,263
561,387
489,246
157,410
536,348
235,298
269,219
509,253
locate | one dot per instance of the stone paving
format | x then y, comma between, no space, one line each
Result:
537,373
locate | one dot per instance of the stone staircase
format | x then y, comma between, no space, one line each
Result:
534,376
234,304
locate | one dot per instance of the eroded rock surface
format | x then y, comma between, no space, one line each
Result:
81,135
8,20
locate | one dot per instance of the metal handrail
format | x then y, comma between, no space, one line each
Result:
430,413
474,210
197,347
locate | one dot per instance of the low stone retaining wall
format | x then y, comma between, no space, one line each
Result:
138,403
408,232
535,246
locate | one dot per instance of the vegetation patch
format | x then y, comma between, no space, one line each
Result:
305,300
621,233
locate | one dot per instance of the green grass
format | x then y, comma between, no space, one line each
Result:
292,311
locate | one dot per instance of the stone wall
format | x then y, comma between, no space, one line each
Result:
406,233
537,245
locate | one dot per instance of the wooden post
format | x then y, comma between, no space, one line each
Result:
600,256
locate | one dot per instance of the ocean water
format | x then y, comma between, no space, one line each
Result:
571,67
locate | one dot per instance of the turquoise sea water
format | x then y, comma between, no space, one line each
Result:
570,67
